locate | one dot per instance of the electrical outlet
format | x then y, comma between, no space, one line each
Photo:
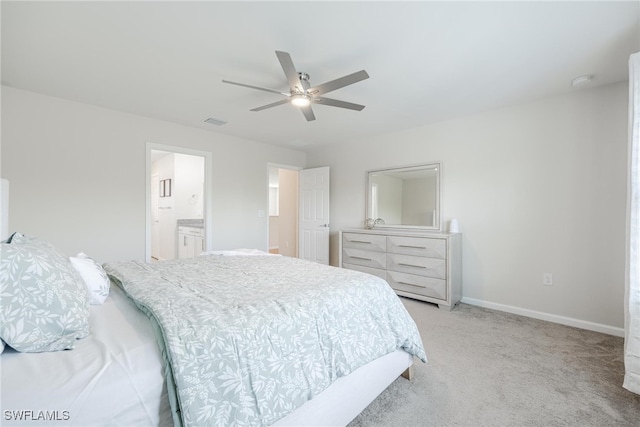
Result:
547,279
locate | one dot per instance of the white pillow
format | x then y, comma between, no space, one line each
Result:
94,276
1,346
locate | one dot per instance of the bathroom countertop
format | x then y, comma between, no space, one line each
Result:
195,223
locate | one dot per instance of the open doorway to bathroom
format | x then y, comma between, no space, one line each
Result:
283,210
177,203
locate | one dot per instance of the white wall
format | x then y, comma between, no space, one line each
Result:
78,176
188,186
538,188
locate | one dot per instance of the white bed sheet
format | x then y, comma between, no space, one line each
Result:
112,378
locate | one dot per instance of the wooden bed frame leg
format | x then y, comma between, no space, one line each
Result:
408,373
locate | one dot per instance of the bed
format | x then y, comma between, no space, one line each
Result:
244,340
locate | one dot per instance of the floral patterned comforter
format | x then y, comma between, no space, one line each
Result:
251,338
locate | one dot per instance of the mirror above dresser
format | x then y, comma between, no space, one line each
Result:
405,197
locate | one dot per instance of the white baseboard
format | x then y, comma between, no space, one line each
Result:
568,321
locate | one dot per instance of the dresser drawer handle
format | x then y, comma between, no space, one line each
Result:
412,284
362,258
360,241
412,247
411,265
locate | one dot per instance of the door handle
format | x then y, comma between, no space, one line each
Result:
325,225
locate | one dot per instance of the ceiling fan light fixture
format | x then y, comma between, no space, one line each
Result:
301,100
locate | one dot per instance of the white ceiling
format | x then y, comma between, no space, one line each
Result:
428,61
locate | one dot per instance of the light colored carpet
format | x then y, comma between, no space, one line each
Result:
489,368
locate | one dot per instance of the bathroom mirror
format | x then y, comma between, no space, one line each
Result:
407,197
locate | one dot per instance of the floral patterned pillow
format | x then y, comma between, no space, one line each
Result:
44,300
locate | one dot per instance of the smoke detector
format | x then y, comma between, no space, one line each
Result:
582,81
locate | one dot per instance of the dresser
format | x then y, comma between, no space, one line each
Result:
419,265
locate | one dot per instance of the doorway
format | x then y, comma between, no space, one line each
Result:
283,210
299,212
178,202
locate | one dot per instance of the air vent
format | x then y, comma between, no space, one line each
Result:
216,122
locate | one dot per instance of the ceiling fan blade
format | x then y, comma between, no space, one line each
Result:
289,70
257,87
336,103
338,83
273,104
308,113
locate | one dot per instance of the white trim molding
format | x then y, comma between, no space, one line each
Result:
568,321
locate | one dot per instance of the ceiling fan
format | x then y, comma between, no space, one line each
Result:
302,94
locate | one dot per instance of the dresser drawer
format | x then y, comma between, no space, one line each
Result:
418,246
420,285
366,258
374,271
370,242
430,267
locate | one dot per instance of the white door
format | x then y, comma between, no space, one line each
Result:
155,220
314,215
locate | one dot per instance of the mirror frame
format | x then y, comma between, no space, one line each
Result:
438,221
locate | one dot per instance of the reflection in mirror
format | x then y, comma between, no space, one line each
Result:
407,197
